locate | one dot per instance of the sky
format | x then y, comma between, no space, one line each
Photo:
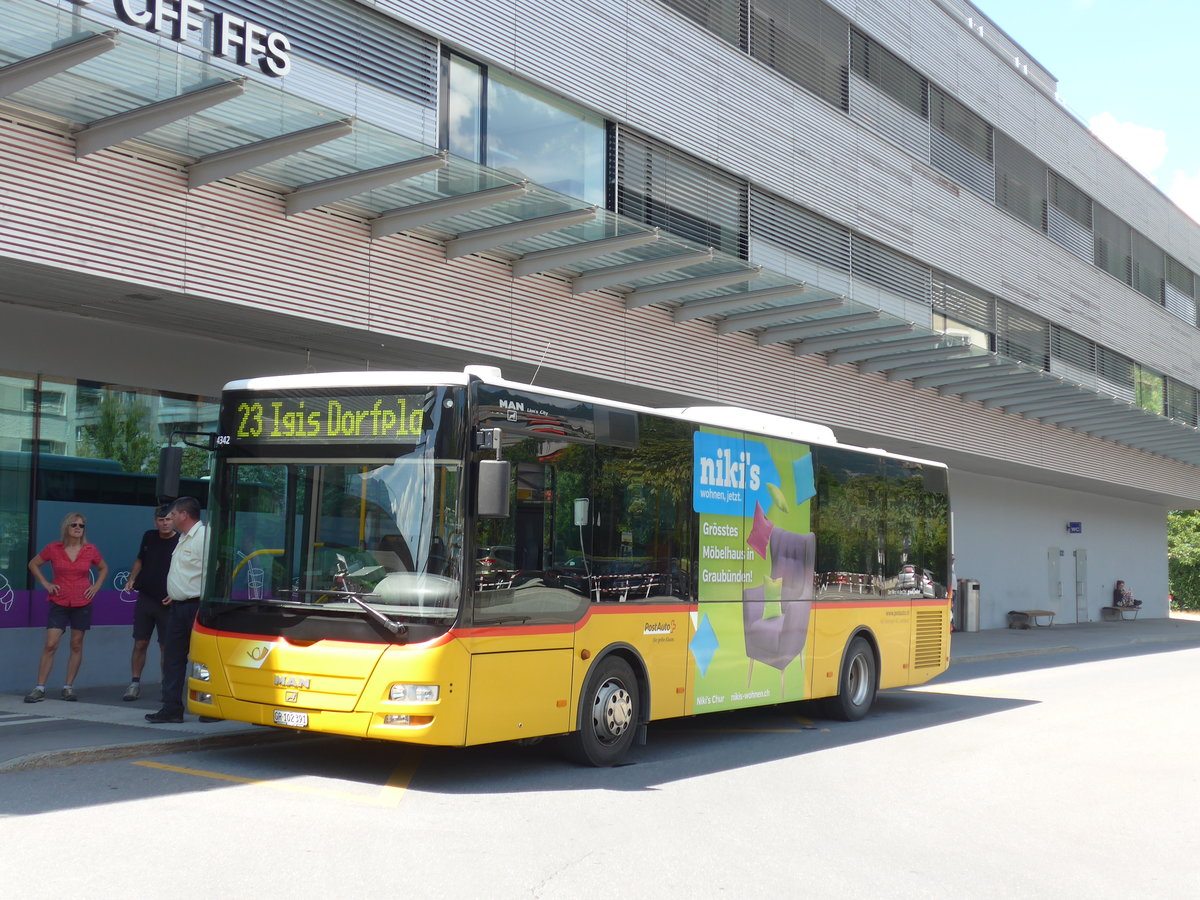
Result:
1126,69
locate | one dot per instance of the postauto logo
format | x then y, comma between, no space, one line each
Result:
730,474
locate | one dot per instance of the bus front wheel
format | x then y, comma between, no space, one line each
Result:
609,721
857,684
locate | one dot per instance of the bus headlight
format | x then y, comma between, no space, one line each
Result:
200,672
414,693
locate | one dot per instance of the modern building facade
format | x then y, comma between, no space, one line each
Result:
875,216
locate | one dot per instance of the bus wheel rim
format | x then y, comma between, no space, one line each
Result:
857,686
612,713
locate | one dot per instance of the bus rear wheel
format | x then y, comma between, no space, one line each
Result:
856,685
609,704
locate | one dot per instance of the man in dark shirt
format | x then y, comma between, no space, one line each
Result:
148,576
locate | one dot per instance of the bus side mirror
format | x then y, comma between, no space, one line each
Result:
492,496
170,464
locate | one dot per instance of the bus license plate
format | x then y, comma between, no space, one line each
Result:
290,718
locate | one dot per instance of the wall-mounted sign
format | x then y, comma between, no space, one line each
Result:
229,36
1074,528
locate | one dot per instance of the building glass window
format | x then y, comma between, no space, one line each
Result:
80,446
681,194
1151,390
963,308
889,73
1116,369
464,109
498,120
1147,267
1073,349
806,41
975,337
1022,335
724,18
1020,182
1181,402
1112,243
17,408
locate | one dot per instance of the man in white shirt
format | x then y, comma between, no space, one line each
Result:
185,585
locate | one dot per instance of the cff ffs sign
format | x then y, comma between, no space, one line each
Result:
233,37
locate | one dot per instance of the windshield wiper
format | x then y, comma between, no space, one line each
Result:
393,627
341,573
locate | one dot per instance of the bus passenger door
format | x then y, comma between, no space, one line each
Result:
520,694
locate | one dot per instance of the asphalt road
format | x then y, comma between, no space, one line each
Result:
1064,775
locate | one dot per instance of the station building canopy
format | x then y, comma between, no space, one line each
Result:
113,88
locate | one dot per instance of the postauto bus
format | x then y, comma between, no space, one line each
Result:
653,563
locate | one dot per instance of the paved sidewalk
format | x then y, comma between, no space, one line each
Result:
99,726
999,643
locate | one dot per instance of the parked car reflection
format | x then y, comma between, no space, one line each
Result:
912,580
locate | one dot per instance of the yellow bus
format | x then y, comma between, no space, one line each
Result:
455,559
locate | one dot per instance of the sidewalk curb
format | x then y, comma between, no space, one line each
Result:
1141,641
54,759
1011,654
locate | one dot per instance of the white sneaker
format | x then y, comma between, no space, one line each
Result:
133,691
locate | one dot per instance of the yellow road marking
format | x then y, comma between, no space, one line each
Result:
389,795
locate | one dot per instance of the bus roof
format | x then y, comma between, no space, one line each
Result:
370,378
731,417
753,420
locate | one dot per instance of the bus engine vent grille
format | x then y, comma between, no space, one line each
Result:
928,648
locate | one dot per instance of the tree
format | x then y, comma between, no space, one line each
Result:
1183,558
121,432
196,463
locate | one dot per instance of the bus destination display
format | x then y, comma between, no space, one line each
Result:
363,418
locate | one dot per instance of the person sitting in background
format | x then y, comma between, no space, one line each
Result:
1122,596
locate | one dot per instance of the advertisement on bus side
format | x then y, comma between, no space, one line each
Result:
757,557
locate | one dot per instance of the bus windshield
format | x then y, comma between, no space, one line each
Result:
352,530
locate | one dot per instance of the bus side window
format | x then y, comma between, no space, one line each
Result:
640,518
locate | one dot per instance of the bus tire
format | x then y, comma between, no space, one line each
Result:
856,684
609,709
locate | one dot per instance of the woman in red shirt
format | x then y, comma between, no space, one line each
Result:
70,594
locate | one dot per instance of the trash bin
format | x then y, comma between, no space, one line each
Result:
966,605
